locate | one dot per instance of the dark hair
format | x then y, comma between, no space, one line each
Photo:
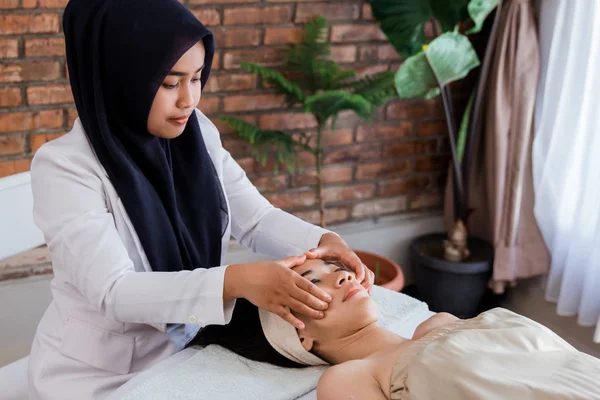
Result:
244,336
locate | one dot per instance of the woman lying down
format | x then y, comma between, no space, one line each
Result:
496,355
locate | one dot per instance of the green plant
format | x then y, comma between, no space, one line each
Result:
312,83
429,68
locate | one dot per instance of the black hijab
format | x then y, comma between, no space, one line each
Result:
118,53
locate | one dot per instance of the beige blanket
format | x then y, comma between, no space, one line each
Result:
497,355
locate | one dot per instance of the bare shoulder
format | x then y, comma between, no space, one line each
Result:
349,380
432,323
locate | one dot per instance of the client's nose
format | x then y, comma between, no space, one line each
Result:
345,277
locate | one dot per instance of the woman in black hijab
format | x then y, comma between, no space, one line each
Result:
137,204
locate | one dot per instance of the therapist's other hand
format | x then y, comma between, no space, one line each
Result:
273,286
333,247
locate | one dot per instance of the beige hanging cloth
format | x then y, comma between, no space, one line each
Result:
501,188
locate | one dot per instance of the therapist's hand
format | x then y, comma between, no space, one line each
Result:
333,247
273,286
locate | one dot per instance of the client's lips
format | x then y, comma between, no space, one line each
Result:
352,290
180,120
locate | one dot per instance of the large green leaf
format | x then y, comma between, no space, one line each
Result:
479,11
415,78
451,57
464,127
403,21
448,12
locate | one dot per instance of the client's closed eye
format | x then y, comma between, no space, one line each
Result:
315,280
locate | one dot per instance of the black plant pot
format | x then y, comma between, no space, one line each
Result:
454,287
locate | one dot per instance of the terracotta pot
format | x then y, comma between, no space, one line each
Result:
390,274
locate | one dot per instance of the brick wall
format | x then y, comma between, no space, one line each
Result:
394,165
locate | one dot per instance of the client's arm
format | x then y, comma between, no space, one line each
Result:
348,381
432,323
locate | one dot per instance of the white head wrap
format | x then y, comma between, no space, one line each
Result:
284,339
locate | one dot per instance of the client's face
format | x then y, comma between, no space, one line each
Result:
350,310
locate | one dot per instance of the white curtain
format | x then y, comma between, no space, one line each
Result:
566,155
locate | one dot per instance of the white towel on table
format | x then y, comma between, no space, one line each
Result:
219,374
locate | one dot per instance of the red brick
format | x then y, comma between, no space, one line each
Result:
208,16
225,129
382,52
30,71
11,145
209,105
9,48
346,119
202,2
230,82
380,207
388,131
382,169
337,138
36,141
247,164
361,72
283,35
305,160
14,167
333,174
237,147
253,102
348,192
45,47
263,56
49,94
420,109
10,96
432,163
444,146
270,183
356,33
343,54
331,11
23,121
427,128
354,153
8,4
71,116
287,121
236,37
216,61
367,13
45,3
13,24
257,15
426,201
293,199
395,187
332,215
402,149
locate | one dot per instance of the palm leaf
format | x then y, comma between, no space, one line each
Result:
328,104
377,88
263,141
292,90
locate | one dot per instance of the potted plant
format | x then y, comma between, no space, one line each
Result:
312,83
451,269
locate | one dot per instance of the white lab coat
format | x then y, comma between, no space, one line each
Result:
111,317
